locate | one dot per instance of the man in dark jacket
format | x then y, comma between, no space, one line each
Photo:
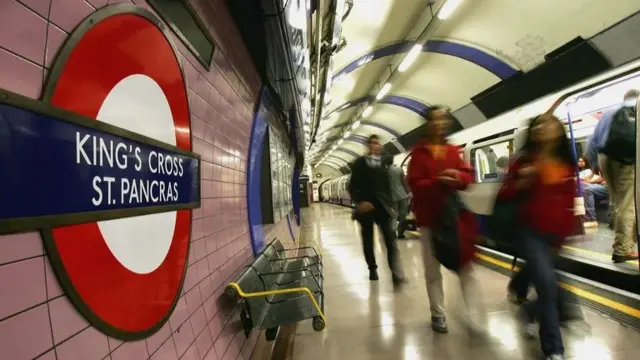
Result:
370,190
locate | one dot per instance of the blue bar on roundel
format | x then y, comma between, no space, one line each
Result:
52,167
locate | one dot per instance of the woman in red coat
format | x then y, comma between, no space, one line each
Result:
434,173
542,180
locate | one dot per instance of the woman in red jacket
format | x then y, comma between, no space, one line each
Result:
542,180
435,171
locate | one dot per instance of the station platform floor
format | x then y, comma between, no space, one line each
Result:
369,320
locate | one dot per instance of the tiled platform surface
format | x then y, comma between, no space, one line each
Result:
370,321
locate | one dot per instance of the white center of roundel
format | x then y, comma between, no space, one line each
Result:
138,104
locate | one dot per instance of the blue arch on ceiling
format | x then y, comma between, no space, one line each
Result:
347,151
391,131
355,138
462,51
335,165
410,104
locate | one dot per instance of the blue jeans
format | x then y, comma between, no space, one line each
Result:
540,269
591,193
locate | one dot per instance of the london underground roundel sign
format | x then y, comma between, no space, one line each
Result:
124,274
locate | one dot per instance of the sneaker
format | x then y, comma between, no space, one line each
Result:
622,258
513,298
590,224
529,330
528,326
555,357
439,324
373,275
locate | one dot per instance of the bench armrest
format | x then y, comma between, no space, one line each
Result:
233,287
315,251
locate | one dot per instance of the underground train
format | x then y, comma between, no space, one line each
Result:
488,145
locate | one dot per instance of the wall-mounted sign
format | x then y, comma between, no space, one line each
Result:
55,170
104,168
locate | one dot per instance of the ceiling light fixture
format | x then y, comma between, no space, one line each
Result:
448,8
410,58
367,111
355,125
385,89
347,134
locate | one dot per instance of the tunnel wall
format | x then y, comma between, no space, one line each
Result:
37,320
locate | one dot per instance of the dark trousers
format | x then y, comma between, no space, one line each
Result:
384,222
539,255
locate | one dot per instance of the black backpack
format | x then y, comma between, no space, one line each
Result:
621,141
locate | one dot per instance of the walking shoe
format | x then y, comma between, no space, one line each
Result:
590,224
555,357
529,330
439,324
514,298
398,280
622,258
373,275
528,325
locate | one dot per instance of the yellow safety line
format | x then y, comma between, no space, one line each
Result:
278,292
496,262
602,300
595,253
579,292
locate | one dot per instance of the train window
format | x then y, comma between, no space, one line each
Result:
281,173
581,147
491,161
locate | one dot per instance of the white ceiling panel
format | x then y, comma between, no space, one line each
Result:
443,79
524,31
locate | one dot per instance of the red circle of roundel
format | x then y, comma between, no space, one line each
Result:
126,302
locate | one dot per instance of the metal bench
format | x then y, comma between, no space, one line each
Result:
307,257
277,291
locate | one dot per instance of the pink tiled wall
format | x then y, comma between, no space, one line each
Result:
36,318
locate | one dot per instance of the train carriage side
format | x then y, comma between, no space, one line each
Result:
489,144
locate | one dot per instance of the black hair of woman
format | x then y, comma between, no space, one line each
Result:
562,150
584,158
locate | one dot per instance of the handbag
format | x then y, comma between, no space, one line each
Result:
502,224
445,240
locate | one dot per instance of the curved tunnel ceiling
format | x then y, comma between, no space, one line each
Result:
480,57
479,45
